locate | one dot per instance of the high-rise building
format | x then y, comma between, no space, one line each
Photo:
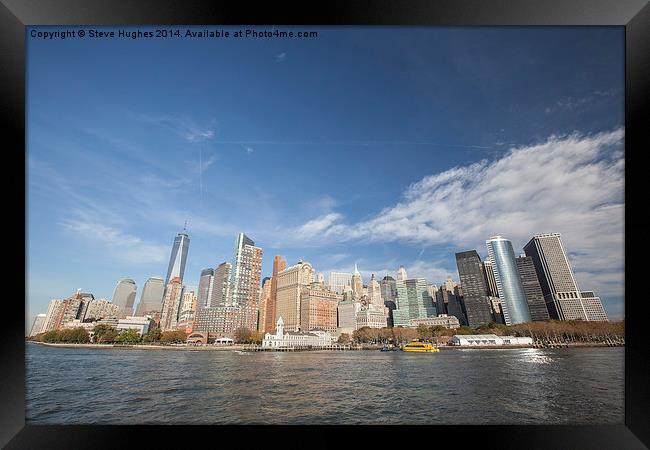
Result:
389,294
564,299
472,279
401,274
206,283
178,257
152,297
493,291
357,284
246,276
511,292
374,292
38,325
171,304
221,286
291,281
219,321
102,309
318,307
532,289
270,319
347,315
53,314
265,294
187,310
413,302
339,280
448,301
124,296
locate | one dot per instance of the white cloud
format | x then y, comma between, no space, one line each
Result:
122,246
280,57
569,184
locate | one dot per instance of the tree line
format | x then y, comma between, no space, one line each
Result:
106,334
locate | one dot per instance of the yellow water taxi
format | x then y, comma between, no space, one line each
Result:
420,347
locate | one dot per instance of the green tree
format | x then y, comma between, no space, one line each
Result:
344,338
153,335
129,336
99,330
108,337
77,335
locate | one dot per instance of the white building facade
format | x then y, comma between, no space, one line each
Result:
282,339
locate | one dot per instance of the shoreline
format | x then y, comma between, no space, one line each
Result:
247,348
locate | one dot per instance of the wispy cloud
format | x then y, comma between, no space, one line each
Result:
571,103
120,245
281,57
184,127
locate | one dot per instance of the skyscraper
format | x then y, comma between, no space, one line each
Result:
206,283
401,273
171,304
265,294
178,257
245,284
291,281
472,280
357,283
413,302
220,294
338,281
388,288
493,291
511,292
563,298
124,296
374,292
38,325
152,296
279,265
532,289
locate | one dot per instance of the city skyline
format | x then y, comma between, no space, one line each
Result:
402,167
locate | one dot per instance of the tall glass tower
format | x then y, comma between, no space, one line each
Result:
152,296
178,257
506,275
124,296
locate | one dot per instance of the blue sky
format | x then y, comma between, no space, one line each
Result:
376,145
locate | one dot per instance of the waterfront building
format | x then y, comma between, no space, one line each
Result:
291,282
347,315
206,284
221,286
38,325
372,316
124,296
413,301
284,339
563,297
218,321
265,294
152,297
478,340
178,257
496,306
388,288
318,308
53,313
442,320
171,304
472,279
187,310
511,292
357,284
140,324
78,323
102,308
532,289
246,276
279,265
339,280
490,281
448,301
401,274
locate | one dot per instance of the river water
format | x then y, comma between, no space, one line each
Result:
500,386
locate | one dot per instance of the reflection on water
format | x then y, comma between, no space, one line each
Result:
513,386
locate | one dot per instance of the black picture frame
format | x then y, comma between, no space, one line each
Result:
634,15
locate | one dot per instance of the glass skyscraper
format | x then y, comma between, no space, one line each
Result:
506,275
152,296
124,296
474,288
178,257
413,302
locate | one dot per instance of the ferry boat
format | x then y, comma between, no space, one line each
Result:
420,347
